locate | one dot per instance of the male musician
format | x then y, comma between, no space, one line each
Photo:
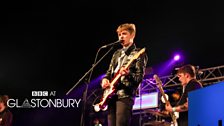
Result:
120,105
187,77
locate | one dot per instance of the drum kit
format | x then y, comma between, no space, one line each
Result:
159,121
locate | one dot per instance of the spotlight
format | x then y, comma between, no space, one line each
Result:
176,57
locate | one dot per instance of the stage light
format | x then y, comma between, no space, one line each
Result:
176,57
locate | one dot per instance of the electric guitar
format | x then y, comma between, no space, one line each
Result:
108,92
159,85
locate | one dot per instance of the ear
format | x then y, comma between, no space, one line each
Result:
188,75
133,35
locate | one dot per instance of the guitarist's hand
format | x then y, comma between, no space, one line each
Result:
169,108
105,83
124,71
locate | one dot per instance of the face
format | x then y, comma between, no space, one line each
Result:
183,78
176,96
2,106
126,37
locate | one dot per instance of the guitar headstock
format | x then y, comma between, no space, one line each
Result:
139,53
157,79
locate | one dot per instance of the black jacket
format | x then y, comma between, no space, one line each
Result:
128,83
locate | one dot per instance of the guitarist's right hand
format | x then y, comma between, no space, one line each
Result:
105,83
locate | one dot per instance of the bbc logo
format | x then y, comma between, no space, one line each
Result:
39,93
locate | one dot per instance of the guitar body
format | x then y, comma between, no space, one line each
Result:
110,91
159,85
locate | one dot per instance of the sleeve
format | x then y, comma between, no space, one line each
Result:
140,67
110,70
193,86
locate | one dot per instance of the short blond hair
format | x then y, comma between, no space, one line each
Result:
130,27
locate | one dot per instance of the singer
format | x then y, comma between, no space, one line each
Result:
121,103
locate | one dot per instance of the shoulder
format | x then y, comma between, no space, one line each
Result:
137,49
117,51
194,84
143,52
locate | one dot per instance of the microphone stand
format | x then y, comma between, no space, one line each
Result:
82,123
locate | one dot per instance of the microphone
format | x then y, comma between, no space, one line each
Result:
112,44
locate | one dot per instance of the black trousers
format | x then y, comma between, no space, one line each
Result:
120,112
183,119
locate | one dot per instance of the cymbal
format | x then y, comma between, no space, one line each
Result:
157,112
157,123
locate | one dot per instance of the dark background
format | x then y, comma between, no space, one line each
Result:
50,45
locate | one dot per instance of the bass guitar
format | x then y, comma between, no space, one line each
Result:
159,85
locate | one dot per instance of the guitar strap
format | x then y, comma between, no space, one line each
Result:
121,60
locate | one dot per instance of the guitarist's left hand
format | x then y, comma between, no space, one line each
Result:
123,71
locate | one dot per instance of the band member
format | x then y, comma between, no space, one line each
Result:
5,114
120,105
187,77
176,96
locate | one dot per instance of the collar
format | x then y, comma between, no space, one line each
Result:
129,49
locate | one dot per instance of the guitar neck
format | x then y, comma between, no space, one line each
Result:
159,84
164,96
